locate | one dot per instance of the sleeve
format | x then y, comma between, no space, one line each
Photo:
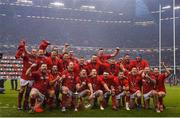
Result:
101,80
146,64
50,77
88,80
163,76
108,56
126,83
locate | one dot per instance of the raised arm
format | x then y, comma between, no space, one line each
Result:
116,51
167,72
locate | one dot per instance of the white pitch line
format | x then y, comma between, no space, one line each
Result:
7,104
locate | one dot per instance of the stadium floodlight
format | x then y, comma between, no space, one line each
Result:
87,7
25,1
177,7
58,4
166,7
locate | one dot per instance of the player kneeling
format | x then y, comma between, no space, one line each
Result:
39,88
148,83
69,94
134,79
54,82
81,88
95,84
121,87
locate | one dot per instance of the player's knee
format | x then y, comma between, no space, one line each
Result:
65,90
51,93
139,94
101,93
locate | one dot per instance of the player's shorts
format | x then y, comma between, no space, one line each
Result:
118,96
132,96
148,95
107,94
96,93
40,96
26,82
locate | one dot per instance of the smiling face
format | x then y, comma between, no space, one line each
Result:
100,52
121,75
105,75
156,71
65,57
71,66
53,54
83,73
55,69
93,73
134,71
81,61
127,58
147,70
34,52
94,59
44,68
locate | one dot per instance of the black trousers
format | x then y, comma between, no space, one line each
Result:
14,84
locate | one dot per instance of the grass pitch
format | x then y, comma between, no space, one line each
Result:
8,107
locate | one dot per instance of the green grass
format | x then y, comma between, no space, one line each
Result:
8,107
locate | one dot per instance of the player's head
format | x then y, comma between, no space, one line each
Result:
65,56
138,56
40,52
156,71
105,75
134,71
81,60
93,73
54,69
100,52
94,58
53,54
70,66
121,75
71,53
55,48
120,60
147,70
43,68
34,52
126,57
83,73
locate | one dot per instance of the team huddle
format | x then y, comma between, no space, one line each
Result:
53,79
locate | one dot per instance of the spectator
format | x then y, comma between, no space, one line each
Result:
2,89
14,83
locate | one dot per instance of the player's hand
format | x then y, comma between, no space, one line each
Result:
162,64
83,83
66,44
117,48
63,76
91,96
